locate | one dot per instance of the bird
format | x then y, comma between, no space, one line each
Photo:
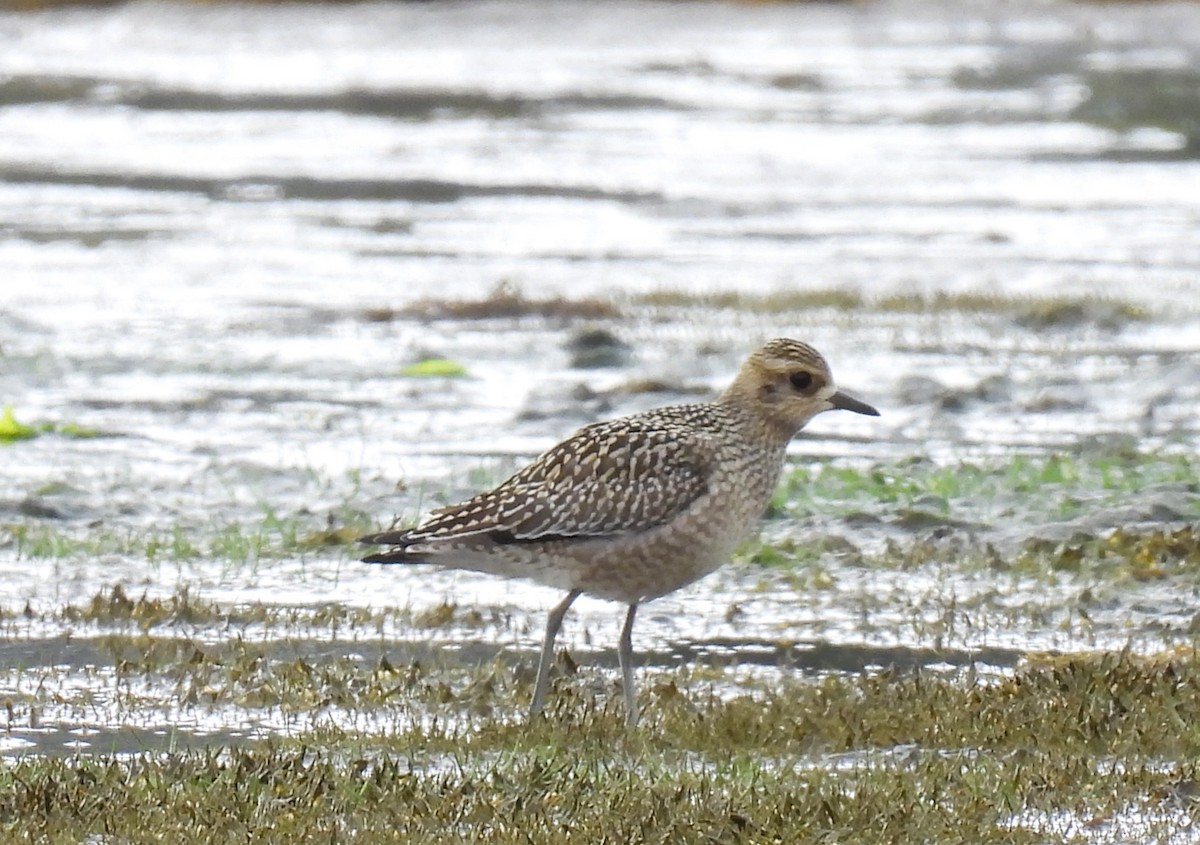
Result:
634,508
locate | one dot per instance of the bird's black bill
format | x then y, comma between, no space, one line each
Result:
849,403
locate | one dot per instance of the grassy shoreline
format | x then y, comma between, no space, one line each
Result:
353,738
879,757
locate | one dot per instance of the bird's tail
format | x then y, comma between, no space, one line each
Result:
399,541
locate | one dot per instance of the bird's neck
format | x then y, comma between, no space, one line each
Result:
760,419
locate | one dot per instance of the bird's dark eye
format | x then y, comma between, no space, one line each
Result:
801,380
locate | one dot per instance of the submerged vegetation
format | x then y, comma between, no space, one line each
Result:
1033,311
434,368
1041,486
1034,489
272,537
12,429
504,301
1100,741
507,301
155,715
245,273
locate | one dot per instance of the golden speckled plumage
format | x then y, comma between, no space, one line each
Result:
634,508
611,477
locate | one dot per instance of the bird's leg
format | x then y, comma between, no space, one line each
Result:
553,623
625,657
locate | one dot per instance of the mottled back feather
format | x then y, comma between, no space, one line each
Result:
594,484
614,477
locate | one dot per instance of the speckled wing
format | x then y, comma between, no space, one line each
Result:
610,478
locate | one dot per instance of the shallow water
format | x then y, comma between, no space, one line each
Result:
204,210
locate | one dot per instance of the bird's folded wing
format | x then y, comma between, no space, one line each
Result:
609,478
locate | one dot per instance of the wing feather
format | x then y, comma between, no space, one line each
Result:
609,478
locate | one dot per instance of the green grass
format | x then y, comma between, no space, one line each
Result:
271,537
1018,488
998,516
1055,486
447,755
387,736
876,758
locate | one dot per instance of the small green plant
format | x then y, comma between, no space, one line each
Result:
434,368
1058,484
12,430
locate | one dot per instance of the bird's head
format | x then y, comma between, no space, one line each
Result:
787,383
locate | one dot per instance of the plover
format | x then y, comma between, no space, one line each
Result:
634,508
